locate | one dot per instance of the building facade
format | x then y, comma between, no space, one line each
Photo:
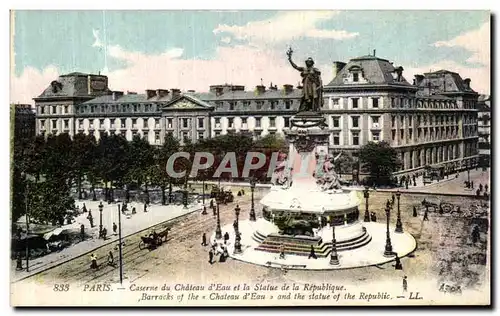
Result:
431,122
484,126
24,121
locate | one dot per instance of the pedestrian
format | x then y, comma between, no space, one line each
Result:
414,181
214,210
373,217
210,256
312,254
104,233
415,211
19,263
226,237
84,208
111,260
114,228
475,234
204,239
405,284
93,262
478,193
145,207
472,184
393,198
282,251
480,187
134,211
82,232
211,203
486,187
426,215
398,265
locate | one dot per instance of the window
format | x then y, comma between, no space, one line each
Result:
260,104
66,124
288,104
201,135
217,133
393,121
201,122
231,105
185,123
410,134
91,124
355,103
336,139
122,123
243,120
185,136
42,110
246,103
157,137
134,123
54,123
393,102
335,101
169,122
393,135
273,104
230,122
410,120
257,122
336,121
66,109
376,136
42,124
355,139
375,119
272,122
355,77
375,103
286,121
402,134
101,123
355,121
92,109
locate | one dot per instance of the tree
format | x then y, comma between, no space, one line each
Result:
380,160
170,146
83,151
345,164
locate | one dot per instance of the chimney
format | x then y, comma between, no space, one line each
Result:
175,93
337,67
467,83
117,95
131,92
418,79
218,90
288,88
260,89
271,87
150,94
399,73
374,52
161,93
191,91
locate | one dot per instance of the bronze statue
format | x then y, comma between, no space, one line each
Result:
312,86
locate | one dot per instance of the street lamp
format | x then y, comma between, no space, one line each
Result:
203,192
100,218
366,196
237,244
120,243
27,178
334,257
388,247
399,224
252,208
218,230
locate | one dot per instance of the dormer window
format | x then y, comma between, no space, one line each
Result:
355,77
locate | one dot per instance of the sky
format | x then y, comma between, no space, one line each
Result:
192,50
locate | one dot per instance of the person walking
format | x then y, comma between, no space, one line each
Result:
312,254
114,228
405,284
211,256
204,239
398,265
415,211
93,262
111,259
426,215
282,251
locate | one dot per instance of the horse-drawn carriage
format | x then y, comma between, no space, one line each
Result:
227,195
154,239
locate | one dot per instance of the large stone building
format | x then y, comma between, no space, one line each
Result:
484,127
23,121
431,122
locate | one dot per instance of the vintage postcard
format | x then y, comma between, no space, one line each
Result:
250,158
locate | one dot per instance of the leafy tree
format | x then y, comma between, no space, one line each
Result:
380,160
83,151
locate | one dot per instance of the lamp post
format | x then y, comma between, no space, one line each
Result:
399,224
252,208
468,172
366,196
334,257
388,247
100,218
218,230
120,243
237,243
203,192
27,220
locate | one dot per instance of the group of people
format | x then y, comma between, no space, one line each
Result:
216,249
110,261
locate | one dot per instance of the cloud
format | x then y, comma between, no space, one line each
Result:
285,26
238,65
96,34
476,41
31,84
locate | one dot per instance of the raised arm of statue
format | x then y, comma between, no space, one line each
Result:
337,157
289,54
